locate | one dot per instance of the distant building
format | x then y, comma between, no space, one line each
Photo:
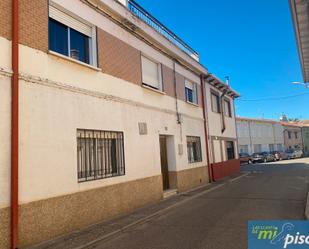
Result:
258,135
305,134
293,138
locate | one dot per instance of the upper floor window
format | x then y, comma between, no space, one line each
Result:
290,135
151,74
296,135
194,149
71,37
215,103
191,92
227,108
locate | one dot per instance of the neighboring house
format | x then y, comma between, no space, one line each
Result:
222,127
293,138
305,133
259,135
111,116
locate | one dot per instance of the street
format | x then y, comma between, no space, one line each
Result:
218,219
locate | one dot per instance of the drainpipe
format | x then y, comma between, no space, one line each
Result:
222,111
210,176
14,127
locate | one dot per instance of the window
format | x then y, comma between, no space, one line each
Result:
215,103
191,92
289,135
100,154
280,147
151,74
230,150
257,148
244,149
194,149
296,135
227,108
271,147
70,37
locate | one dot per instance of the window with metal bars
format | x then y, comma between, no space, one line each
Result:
194,149
100,154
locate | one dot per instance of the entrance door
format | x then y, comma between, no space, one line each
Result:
164,163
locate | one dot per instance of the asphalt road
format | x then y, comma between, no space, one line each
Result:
218,219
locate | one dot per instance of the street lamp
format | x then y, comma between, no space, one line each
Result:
301,83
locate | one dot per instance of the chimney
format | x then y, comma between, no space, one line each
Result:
123,2
227,81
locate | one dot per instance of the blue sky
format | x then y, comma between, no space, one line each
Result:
252,42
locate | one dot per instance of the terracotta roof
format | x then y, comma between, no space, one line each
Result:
292,124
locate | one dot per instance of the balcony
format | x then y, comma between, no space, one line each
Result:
151,21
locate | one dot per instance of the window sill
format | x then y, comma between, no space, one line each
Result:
75,61
193,104
154,90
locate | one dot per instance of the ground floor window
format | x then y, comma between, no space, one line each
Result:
100,154
271,147
257,148
194,149
230,150
244,148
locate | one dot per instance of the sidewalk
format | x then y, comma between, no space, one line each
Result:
102,231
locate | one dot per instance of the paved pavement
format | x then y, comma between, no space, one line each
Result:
218,219
211,217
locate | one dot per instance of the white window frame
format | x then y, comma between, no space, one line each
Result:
159,74
70,20
192,86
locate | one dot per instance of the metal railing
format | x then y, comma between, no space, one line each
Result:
143,15
100,154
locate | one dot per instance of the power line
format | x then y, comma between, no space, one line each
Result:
274,98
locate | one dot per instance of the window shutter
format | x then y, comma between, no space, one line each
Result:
69,21
189,85
151,73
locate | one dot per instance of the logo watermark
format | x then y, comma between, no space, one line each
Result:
278,234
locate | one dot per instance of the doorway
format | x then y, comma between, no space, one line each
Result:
164,162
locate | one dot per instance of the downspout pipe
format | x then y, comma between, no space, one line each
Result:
14,125
222,111
210,176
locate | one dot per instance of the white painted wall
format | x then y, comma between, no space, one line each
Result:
262,132
76,97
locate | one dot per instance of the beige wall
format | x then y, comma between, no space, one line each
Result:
293,142
217,138
45,219
51,111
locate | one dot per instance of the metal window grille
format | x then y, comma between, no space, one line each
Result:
194,149
100,154
230,150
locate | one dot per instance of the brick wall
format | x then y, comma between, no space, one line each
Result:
168,81
33,22
118,58
5,18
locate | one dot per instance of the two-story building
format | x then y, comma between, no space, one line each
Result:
293,136
259,135
103,110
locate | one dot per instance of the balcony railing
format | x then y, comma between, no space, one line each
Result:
143,15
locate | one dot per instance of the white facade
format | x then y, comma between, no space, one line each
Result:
256,135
